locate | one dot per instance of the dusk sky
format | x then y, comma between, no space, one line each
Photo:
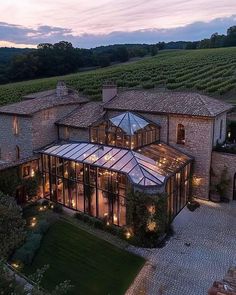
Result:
90,23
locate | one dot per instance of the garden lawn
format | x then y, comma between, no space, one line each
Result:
92,265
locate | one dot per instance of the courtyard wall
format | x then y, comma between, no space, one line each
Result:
220,161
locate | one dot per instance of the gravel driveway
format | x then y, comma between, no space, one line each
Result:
183,269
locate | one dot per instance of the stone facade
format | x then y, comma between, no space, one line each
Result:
73,134
220,130
44,129
33,132
9,141
220,161
198,144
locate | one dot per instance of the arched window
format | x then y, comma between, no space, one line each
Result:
17,153
180,134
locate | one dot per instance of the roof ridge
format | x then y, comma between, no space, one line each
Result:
204,103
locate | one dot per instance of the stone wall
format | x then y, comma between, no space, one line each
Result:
43,125
9,140
198,144
220,161
74,134
227,286
217,123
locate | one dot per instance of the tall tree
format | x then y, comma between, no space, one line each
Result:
12,225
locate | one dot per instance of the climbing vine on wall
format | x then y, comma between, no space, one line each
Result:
147,218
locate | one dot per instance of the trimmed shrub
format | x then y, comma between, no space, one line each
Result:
79,215
26,253
45,203
42,227
99,224
58,208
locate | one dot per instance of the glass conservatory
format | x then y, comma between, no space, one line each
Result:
94,178
127,130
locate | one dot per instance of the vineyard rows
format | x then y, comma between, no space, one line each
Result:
211,71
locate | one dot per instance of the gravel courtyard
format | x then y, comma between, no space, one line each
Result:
180,269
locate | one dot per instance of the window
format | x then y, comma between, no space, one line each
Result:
17,153
180,134
15,125
26,171
221,127
66,133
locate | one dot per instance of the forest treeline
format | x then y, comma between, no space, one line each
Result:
62,58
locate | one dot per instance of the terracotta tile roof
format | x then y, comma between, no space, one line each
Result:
183,103
35,102
84,115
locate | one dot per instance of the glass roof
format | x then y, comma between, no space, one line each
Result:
149,166
129,122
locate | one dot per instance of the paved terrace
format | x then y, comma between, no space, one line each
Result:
179,269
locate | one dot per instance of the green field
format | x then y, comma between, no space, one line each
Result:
211,71
93,265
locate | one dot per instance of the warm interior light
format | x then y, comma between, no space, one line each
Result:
15,265
128,234
32,173
152,225
115,218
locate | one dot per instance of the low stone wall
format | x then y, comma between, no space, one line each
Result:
220,161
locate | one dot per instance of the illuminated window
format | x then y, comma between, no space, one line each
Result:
180,134
26,171
15,125
17,153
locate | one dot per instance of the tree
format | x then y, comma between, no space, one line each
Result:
122,54
9,285
154,50
230,39
103,61
12,225
9,181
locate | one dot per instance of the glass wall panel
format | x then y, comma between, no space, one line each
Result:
79,172
96,191
46,185
103,206
90,200
72,194
80,197
60,198
122,211
66,193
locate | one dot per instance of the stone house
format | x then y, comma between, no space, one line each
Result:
159,141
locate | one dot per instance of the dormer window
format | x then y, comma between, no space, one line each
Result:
180,134
15,125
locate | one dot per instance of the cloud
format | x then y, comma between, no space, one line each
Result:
44,33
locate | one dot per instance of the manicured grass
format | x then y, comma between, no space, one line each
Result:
93,265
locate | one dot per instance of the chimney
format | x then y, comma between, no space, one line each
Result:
61,89
109,90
